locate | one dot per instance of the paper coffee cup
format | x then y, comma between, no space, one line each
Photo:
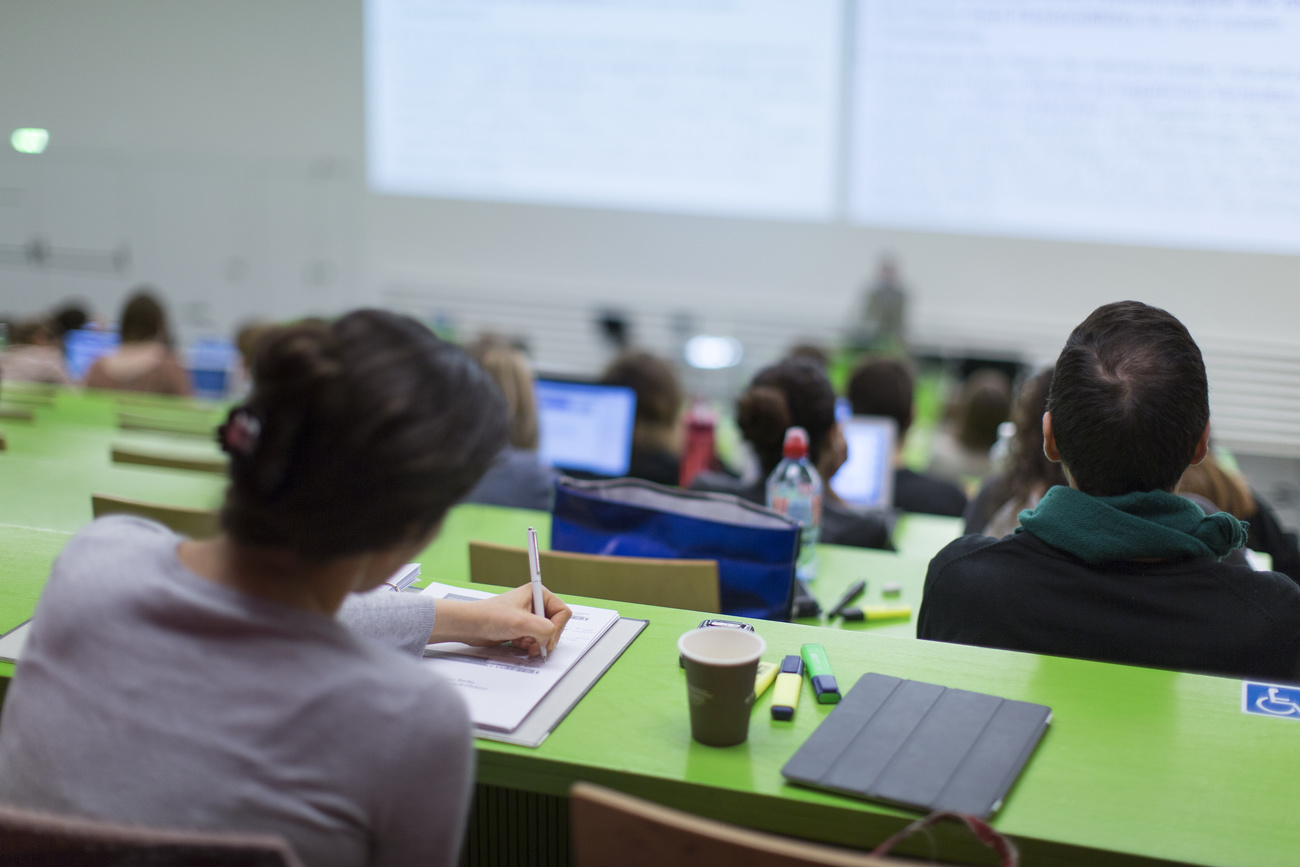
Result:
720,669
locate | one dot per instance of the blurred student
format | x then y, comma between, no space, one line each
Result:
144,361
657,432
798,394
209,685
1117,567
885,387
960,449
995,510
515,478
33,355
1230,492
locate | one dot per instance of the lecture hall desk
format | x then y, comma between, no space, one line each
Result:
1138,765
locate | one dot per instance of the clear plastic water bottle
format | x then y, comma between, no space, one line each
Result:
795,490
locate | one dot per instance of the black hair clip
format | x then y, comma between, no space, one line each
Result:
240,433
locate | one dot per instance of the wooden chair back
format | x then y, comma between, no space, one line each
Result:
122,454
689,584
195,523
17,413
179,424
611,829
35,839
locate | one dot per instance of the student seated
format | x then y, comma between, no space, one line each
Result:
1117,567
33,355
796,393
144,361
960,449
207,684
1229,491
885,386
657,433
1028,475
516,478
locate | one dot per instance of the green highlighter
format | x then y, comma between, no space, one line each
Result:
819,669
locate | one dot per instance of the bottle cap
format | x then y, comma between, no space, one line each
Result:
796,443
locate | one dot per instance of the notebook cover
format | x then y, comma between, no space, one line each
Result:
921,746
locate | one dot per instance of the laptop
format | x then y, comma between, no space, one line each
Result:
866,480
584,427
82,346
921,746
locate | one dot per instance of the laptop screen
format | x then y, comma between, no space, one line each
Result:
867,478
82,346
585,427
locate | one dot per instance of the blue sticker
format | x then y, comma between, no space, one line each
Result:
1269,699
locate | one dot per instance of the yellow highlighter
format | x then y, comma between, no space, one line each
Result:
789,683
877,612
763,679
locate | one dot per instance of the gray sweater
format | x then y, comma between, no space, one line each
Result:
149,695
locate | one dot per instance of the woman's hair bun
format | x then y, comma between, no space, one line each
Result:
367,430
302,358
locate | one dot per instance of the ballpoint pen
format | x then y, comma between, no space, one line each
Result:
535,578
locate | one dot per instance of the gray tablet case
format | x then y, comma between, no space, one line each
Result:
921,746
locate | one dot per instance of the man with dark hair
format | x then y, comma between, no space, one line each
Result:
884,386
1117,567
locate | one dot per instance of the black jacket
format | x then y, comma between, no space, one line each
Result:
1194,614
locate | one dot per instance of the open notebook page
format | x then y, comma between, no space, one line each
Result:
501,684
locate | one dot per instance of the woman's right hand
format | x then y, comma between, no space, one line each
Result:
505,617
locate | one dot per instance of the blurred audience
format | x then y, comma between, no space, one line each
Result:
144,361
885,387
1229,491
515,478
657,434
995,510
788,394
960,450
809,351
33,355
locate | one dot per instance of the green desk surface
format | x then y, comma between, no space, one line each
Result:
1137,763
55,462
918,535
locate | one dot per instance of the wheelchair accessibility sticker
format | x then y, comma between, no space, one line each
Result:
1268,699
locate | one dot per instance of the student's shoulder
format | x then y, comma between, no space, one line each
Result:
917,492
109,538
974,549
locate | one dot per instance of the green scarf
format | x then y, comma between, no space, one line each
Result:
1153,525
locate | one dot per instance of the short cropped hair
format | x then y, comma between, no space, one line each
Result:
883,386
1129,400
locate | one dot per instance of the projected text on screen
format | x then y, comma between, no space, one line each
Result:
1166,122
1162,122
727,107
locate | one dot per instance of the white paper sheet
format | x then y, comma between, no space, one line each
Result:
13,642
501,685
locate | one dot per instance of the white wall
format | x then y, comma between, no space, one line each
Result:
222,143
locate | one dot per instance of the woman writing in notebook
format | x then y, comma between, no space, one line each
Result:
237,683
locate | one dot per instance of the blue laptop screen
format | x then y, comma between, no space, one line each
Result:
585,427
